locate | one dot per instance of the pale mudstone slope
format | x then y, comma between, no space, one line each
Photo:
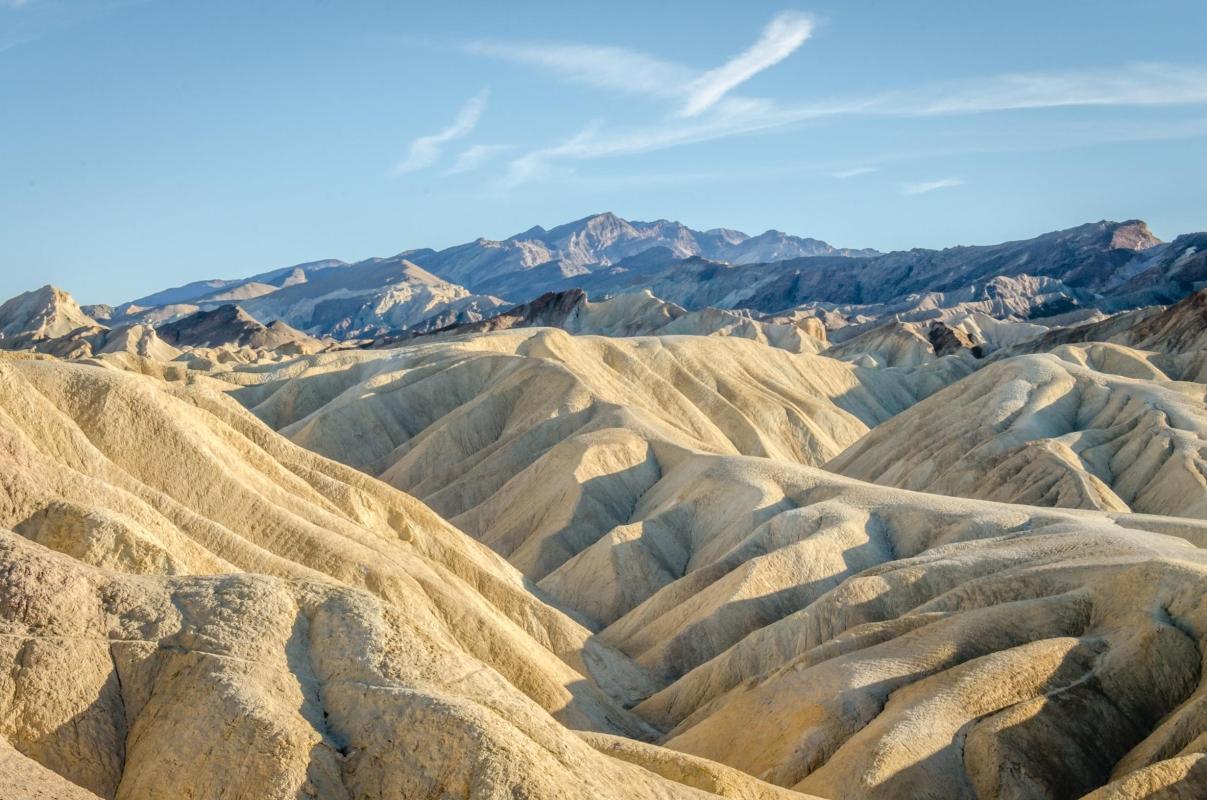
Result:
817,632
643,314
538,442
756,617
1173,338
192,606
1093,426
849,640
905,344
736,572
39,316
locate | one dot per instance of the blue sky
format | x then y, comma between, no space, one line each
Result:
145,144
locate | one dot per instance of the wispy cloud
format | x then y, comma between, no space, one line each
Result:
782,36
853,172
930,186
731,117
624,70
1136,84
473,157
425,151
615,68
1131,85
705,108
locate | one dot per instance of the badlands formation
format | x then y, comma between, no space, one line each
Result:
608,547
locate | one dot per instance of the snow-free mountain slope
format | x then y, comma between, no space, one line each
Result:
324,299
204,291
1051,430
1166,273
582,246
369,299
1105,266
402,291
1048,274
232,326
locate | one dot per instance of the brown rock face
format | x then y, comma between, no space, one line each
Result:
947,340
1133,235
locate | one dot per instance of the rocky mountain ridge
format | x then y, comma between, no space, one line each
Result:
1104,266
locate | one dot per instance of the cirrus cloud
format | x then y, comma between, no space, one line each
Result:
929,186
425,151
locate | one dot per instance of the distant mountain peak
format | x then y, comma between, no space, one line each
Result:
603,218
522,265
41,314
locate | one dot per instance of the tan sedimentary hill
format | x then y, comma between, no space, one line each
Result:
905,344
643,314
49,320
193,606
837,637
250,686
1176,336
369,299
538,442
855,641
700,773
139,340
993,333
26,779
803,335
39,316
1082,427
231,326
735,574
201,606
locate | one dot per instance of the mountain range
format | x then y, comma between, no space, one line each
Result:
515,265
426,288
1108,266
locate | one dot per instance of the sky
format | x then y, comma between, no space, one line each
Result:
147,143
